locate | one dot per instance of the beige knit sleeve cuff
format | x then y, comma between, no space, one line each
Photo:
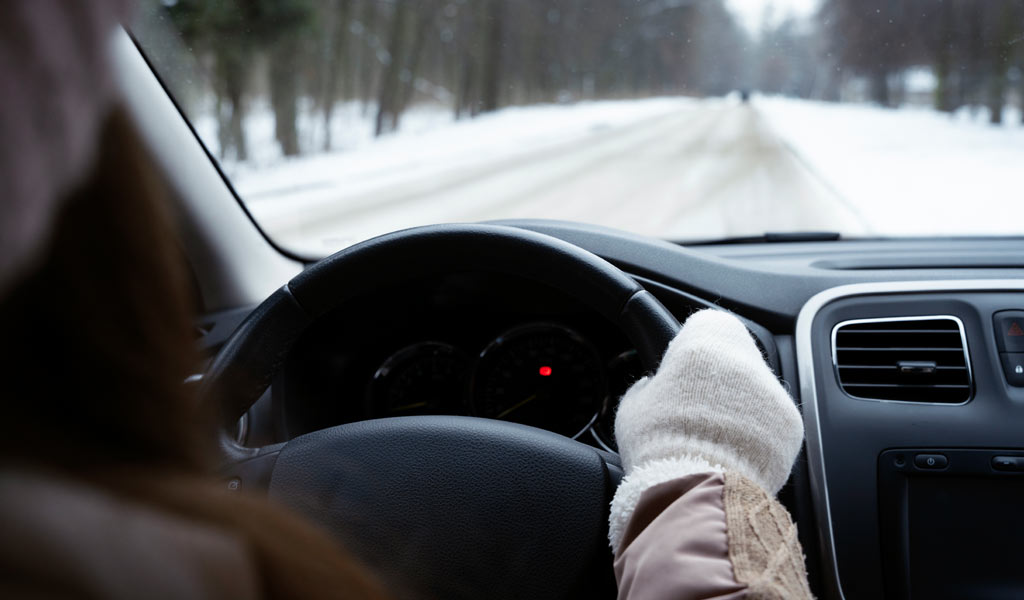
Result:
763,546
709,535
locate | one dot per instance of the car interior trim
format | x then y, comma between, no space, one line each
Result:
809,395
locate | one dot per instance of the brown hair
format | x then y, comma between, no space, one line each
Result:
96,341
95,345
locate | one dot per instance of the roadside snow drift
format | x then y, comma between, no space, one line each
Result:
911,171
676,168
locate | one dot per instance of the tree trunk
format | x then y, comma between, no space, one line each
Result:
467,81
879,82
897,91
411,71
368,56
996,96
232,71
236,132
388,98
1000,60
1020,95
943,93
223,119
491,84
333,53
284,95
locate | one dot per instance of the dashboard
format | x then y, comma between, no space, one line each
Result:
874,517
466,344
473,344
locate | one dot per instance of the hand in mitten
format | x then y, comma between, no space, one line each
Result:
713,405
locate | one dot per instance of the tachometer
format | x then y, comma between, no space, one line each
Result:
423,379
543,375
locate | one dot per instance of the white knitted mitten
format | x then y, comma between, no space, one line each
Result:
713,405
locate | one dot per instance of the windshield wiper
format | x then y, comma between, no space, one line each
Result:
771,237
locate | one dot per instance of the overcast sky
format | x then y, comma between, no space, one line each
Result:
751,12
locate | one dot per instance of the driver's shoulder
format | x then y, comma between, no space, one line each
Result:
63,537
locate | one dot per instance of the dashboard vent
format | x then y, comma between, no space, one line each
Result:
911,359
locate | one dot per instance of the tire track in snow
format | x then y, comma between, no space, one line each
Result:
710,170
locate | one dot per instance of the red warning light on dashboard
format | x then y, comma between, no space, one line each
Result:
1015,330
545,371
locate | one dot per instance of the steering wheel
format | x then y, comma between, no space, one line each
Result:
447,507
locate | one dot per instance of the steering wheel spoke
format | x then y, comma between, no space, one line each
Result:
252,470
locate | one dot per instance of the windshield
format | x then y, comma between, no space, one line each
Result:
338,120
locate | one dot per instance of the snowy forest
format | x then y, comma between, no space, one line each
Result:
306,57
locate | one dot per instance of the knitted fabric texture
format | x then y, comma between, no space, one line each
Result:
763,545
713,405
715,398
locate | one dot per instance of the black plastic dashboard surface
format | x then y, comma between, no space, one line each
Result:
854,432
447,345
770,284
470,344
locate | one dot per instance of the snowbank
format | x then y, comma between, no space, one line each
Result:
671,167
287,195
911,171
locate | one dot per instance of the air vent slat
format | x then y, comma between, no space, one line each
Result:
908,385
899,331
919,349
868,355
894,367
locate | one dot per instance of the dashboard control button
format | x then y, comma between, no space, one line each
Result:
1008,463
1009,326
931,461
1013,367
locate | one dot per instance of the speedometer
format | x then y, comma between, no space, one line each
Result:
423,379
543,375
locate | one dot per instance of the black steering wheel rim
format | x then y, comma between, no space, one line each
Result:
244,367
434,473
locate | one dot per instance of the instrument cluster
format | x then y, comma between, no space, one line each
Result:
542,374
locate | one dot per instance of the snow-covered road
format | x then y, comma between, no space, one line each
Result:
674,168
709,171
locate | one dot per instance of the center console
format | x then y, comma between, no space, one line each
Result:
949,523
914,411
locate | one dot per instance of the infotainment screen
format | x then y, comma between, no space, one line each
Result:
951,523
965,537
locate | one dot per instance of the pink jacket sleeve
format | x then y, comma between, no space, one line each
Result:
710,536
